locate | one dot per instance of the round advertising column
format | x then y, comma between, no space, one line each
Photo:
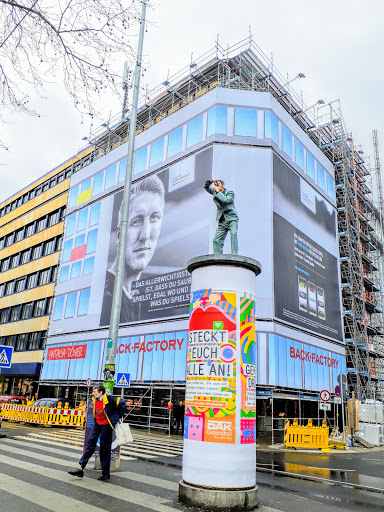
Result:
219,459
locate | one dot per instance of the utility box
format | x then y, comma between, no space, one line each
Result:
374,434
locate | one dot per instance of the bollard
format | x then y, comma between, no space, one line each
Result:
219,458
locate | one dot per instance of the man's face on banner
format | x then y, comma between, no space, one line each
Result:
145,218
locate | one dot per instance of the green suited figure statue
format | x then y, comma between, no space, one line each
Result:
226,215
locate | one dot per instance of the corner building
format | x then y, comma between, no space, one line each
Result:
31,228
217,122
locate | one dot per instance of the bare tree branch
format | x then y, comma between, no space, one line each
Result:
79,41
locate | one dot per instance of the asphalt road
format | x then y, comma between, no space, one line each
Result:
33,477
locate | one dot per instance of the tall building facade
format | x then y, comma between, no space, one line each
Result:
31,229
217,122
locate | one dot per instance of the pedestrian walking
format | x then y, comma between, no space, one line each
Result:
107,411
178,414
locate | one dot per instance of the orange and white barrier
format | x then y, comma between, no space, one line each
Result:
43,415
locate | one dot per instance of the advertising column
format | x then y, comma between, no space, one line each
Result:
220,414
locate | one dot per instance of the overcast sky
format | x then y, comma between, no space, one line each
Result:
337,44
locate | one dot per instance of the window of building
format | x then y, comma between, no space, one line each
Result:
14,261
122,169
76,269
92,240
86,184
39,308
29,230
15,313
299,154
44,277
4,264
70,306
83,302
80,240
25,198
194,131
35,253
41,224
2,242
31,281
9,288
19,235
59,306
95,213
88,265
70,224
82,219
175,140
67,250
110,177
24,257
20,201
45,186
53,182
157,149
4,313
20,284
330,186
98,183
53,218
33,340
246,122
54,274
287,141
20,342
60,177
2,288
74,196
217,121
311,166
64,274
9,239
39,190
321,177
140,161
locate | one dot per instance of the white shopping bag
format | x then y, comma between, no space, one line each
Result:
123,433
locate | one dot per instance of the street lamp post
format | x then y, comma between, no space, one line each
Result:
109,369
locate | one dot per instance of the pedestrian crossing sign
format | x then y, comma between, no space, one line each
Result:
5,356
123,380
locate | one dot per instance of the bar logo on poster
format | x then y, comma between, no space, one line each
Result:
71,352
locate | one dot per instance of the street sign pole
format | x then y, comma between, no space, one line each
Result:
109,368
342,411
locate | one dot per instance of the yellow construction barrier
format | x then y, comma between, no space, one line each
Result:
300,436
43,415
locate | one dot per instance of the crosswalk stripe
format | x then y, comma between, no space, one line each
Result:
153,503
43,497
149,480
127,450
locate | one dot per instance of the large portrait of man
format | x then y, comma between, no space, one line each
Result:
165,229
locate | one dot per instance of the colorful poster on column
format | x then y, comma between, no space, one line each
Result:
211,368
248,370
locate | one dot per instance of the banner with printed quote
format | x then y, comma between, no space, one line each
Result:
211,368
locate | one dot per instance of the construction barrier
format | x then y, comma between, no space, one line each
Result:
43,415
300,436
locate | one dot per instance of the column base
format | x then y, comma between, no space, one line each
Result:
218,500
115,464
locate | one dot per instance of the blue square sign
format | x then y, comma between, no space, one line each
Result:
123,380
5,356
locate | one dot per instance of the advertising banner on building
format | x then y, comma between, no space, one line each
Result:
69,352
306,278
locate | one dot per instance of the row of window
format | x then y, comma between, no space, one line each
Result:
98,183
27,341
40,278
34,227
31,254
83,219
89,240
77,269
39,189
245,124
72,304
33,309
